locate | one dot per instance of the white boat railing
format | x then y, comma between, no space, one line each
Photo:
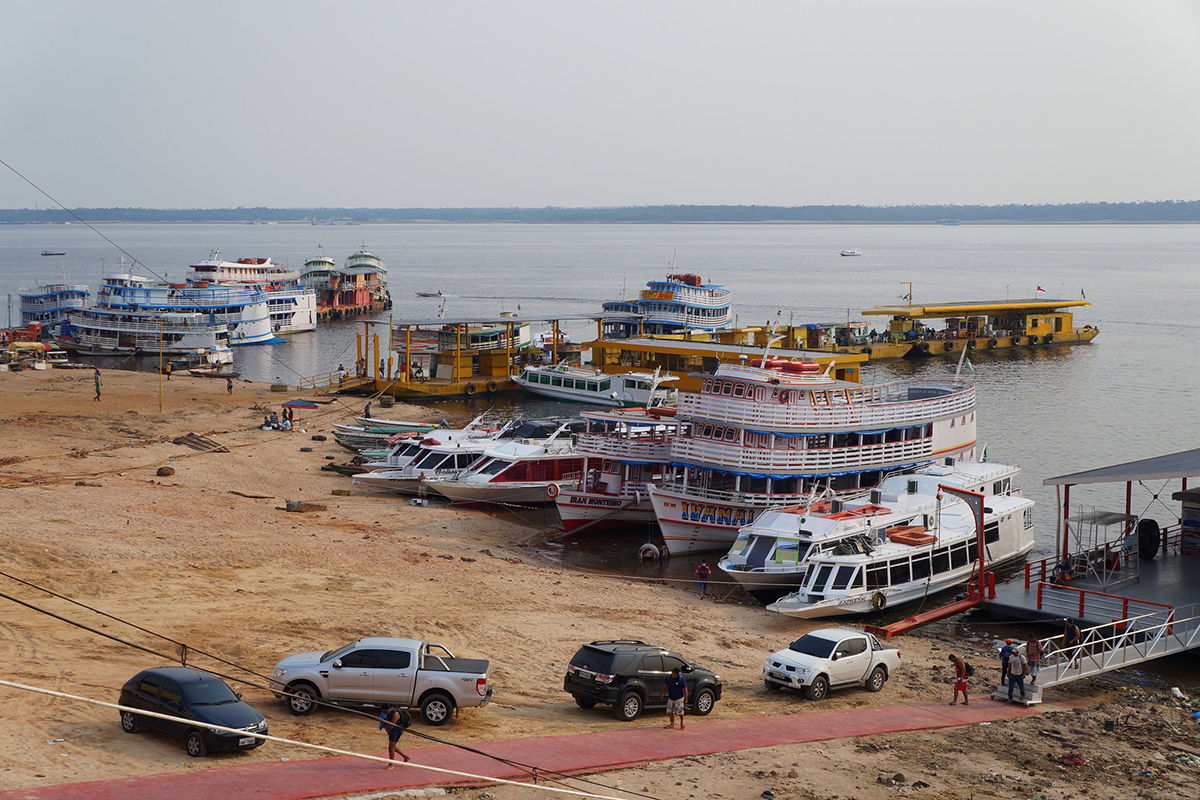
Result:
692,297
749,499
658,451
875,412
733,456
138,327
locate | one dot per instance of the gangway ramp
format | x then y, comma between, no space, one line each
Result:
1121,643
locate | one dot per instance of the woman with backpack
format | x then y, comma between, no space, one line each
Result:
962,671
394,721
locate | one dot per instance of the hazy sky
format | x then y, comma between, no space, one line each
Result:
570,103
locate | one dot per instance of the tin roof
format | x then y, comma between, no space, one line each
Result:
972,308
1175,465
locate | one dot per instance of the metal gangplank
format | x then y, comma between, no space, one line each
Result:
1121,643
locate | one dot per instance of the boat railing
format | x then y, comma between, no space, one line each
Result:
869,414
1120,548
657,451
755,499
736,457
166,326
1075,603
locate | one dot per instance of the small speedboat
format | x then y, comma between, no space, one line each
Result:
438,293
54,252
852,252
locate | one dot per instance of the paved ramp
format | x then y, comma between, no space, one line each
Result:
582,753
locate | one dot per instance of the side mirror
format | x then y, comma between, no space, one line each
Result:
836,656
238,695
337,664
687,668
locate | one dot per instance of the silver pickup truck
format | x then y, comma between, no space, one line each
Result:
380,670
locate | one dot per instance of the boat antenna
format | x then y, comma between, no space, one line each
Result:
772,338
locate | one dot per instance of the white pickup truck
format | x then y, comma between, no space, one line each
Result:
829,658
381,670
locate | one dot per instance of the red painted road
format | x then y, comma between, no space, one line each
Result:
577,753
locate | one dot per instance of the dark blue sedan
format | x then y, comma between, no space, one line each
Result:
200,700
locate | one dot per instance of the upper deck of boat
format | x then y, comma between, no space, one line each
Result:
974,308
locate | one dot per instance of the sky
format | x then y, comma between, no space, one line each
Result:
389,103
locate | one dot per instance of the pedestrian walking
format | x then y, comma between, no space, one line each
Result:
1005,655
394,721
96,375
341,375
960,680
167,369
228,385
1017,669
702,573
1071,633
1033,654
675,689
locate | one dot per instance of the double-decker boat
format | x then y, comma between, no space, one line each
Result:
518,471
103,330
681,302
292,306
51,303
909,557
771,556
358,287
772,432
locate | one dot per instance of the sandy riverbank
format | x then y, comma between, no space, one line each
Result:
183,555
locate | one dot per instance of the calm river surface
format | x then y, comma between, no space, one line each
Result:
1053,411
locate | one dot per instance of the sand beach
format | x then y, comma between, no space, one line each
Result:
209,557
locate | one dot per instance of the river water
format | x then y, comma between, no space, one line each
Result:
1051,410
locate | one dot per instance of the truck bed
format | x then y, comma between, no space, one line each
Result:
471,666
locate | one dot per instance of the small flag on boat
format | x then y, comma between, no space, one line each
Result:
1040,290
1081,294
984,456
969,365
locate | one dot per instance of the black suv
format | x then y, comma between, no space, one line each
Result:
629,676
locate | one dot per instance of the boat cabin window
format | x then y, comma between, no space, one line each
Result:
605,385
842,579
877,576
739,390
430,460
991,532
740,544
726,388
706,432
494,467
707,387
787,551
821,577
920,567
972,550
941,560
556,381
731,434
899,572
958,556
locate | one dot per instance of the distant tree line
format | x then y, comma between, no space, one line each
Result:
1156,211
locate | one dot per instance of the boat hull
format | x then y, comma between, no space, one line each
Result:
498,492
597,512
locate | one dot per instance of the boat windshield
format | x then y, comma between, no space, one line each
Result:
810,645
740,544
494,467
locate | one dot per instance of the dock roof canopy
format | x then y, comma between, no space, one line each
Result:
1176,465
972,308
400,323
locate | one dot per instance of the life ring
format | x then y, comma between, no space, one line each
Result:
491,386
1033,339
879,602
783,397
552,490
971,344
648,552
992,342
1049,338
470,388
948,346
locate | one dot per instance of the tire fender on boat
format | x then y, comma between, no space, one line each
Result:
469,388
948,346
1049,338
923,347
1033,339
879,601
649,552
552,490
992,342
972,344
491,386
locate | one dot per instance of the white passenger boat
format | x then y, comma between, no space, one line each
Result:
902,563
292,306
770,557
681,302
518,471
50,304
623,451
771,432
103,330
563,382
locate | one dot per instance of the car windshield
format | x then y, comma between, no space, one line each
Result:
208,693
336,654
810,645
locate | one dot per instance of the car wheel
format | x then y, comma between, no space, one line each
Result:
585,702
436,709
129,723
301,699
629,707
772,686
195,745
705,700
818,688
877,680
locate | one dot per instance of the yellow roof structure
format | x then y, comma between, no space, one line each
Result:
972,308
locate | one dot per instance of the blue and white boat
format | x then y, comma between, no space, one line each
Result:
51,303
293,306
242,310
682,302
